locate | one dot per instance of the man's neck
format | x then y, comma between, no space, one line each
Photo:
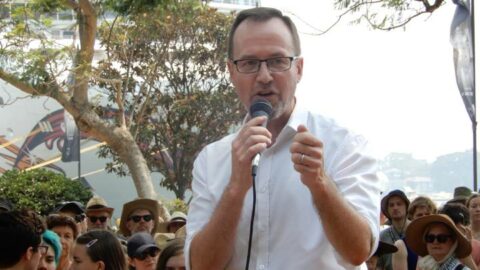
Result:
399,224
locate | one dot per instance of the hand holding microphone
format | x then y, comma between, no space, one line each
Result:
251,140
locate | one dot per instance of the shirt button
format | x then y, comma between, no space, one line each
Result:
263,189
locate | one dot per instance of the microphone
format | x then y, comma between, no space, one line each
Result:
261,107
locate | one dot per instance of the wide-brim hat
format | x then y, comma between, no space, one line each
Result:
177,216
97,204
416,230
385,248
461,194
391,194
129,207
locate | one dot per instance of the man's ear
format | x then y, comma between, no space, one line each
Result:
100,265
29,253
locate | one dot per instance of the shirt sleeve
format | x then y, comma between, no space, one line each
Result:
201,206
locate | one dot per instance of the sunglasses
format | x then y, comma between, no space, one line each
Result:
94,219
441,238
152,252
79,218
137,219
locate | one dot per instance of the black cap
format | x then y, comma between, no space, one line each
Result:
140,242
74,206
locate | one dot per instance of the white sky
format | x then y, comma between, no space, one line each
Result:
397,88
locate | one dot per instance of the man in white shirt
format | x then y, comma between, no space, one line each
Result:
311,170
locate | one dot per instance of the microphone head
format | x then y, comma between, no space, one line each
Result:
261,107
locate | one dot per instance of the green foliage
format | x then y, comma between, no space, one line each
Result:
177,205
172,65
132,7
41,189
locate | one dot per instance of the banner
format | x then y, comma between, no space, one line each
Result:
71,139
463,58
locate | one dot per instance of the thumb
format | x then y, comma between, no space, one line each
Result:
301,128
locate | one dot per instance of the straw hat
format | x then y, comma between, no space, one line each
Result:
162,239
98,204
129,207
391,194
416,231
177,216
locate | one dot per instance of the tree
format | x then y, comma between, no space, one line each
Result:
144,74
173,69
41,189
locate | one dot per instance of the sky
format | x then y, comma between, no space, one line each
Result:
396,88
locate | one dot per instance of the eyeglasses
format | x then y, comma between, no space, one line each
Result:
42,249
137,219
79,218
274,64
152,252
441,238
94,219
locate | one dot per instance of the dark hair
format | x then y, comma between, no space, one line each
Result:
104,246
458,212
19,230
172,249
262,14
56,220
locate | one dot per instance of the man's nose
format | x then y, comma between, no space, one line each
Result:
264,75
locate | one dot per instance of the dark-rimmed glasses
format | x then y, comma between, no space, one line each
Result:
441,238
274,64
79,218
152,252
137,219
94,219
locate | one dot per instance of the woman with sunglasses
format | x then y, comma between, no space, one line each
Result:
98,250
439,242
142,252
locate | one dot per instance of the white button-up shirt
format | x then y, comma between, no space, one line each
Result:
288,233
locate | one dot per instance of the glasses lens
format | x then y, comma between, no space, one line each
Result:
79,218
278,64
147,218
441,238
94,219
149,252
247,65
136,219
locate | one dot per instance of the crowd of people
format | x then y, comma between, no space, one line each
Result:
417,235
74,237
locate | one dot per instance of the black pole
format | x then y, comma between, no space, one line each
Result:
80,155
474,120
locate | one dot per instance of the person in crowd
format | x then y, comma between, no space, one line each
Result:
311,169
383,248
142,252
438,241
54,250
66,228
75,210
177,220
20,240
98,214
172,257
394,206
473,205
458,213
461,195
162,239
98,250
5,205
139,215
405,258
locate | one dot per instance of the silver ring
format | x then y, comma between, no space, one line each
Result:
301,158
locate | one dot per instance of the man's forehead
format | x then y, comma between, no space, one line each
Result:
396,199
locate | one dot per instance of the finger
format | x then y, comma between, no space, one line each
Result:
302,128
300,148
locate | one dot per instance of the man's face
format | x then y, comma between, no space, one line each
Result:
421,211
33,258
397,208
140,220
98,220
262,40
